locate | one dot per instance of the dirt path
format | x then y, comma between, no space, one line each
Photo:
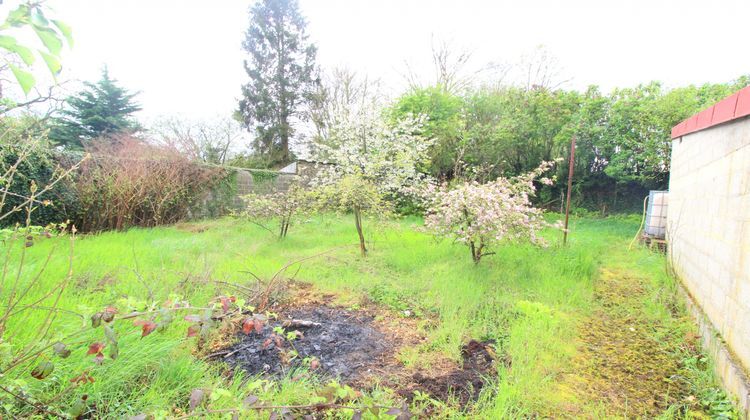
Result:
621,369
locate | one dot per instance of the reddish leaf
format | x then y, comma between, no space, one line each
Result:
147,328
193,330
83,378
248,325
224,303
278,341
95,348
99,358
267,343
314,364
258,326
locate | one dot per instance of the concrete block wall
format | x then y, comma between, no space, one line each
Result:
709,228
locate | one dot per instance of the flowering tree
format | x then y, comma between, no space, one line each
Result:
483,215
283,207
390,155
354,193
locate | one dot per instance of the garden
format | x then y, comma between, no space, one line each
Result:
429,267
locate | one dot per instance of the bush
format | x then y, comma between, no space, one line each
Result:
26,157
130,183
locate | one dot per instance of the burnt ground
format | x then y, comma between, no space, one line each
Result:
354,348
463,383
343,342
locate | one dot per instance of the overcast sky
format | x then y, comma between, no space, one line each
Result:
184,56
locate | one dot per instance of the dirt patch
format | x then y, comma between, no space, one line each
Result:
344,344
361,349
463,383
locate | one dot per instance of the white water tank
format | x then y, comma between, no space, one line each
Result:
656,214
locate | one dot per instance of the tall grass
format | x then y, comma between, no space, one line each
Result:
530,301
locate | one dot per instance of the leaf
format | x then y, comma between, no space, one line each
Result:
114,351
110,334
53,63
42,370
96,320
196,396
393,411
258,326
147,327
79,407
64,30
314,363
95,348
11,44
248,325
61,350
23,77
225,303
49,38
83,378
250,400
193,331
108,315
267,343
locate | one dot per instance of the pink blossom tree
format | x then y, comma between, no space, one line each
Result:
484,215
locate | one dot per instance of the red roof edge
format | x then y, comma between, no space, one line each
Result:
728,109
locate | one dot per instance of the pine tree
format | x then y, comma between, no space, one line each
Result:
101,109
281,67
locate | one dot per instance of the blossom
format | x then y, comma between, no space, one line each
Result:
483,215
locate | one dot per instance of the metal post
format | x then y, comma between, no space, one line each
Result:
571,164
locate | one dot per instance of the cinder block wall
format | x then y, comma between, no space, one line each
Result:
709,227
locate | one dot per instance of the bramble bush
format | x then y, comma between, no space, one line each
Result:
483,215
132,183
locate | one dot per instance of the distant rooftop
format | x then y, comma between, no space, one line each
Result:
728,109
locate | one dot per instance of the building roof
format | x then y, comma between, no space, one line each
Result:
728,109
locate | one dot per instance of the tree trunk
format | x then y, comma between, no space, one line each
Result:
358,223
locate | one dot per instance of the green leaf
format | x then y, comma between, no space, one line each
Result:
65,30
18,17
38,19
53,63
42,370
10,44
49,38
24,78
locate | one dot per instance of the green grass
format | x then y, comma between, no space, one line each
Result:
531,301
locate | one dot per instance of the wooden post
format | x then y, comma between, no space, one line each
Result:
571,164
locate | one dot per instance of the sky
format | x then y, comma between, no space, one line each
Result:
185,56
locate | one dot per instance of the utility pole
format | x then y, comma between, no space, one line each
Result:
571,163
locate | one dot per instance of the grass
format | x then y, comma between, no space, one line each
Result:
533,302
